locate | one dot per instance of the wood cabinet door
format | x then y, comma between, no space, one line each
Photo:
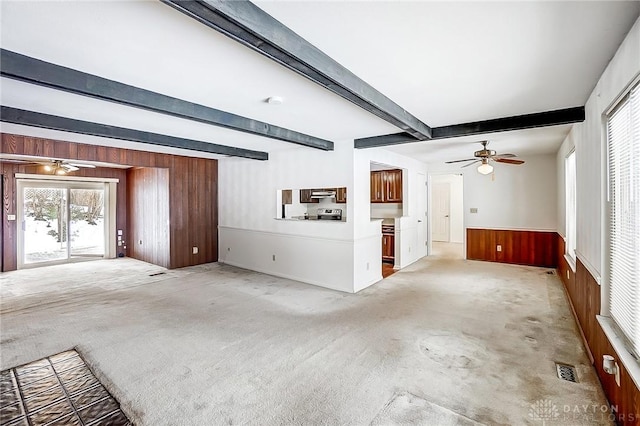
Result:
305,196
341,195
393,186
377,187
388,247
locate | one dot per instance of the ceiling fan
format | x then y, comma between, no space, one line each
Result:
61,167
485,156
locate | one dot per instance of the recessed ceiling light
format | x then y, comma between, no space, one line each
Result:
275,100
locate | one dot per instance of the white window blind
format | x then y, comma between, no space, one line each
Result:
623,257
570,208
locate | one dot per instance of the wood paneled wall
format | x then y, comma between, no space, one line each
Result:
148,197
535,248
193,194
193,187
584,295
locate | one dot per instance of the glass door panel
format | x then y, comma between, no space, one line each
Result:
86,222
45,225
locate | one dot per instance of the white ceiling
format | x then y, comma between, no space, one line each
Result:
444,62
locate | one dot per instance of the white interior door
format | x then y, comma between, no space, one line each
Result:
422,214
441,195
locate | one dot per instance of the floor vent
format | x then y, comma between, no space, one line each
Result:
157,273
551,272
567,372
61,390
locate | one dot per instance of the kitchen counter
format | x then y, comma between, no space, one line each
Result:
385,220
310,219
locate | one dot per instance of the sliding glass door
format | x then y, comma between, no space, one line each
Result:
86,222
44,225
61,221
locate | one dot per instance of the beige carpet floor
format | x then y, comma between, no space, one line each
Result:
444,341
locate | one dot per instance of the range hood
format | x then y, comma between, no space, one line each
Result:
323,194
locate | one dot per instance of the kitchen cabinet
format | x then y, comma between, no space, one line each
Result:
393,185
388,243
377,187
386,186
287,196
341,195
305,196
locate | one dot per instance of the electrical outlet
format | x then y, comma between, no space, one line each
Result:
498,247
194,250
273,257
140,242
11,217
473,210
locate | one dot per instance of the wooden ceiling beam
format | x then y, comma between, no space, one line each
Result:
24,68
246,23
505,124
54,122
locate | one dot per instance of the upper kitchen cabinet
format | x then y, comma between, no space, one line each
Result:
393,186
377,187
386,186
305,196
324,195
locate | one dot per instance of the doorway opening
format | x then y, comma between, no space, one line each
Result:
446,238
62,221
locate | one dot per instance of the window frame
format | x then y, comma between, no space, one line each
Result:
618,338
570,212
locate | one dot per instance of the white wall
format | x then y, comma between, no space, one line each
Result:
318,252
410,244
456,205
517,197
590,141
343,256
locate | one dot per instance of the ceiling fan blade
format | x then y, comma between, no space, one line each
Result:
69,167
90,166
471,164
460,161
508,161
505,155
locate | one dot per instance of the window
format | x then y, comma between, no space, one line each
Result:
570,208
623,236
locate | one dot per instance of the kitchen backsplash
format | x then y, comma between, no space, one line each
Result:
386,210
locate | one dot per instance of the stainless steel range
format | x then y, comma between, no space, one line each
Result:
329,214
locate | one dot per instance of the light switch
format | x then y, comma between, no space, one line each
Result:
11,217
119,231
473,210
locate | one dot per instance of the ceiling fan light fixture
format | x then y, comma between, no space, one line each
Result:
485,168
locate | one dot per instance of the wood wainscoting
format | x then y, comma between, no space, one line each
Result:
534,248
193,194
584,295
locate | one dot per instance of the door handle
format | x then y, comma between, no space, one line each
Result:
446,215
419,221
